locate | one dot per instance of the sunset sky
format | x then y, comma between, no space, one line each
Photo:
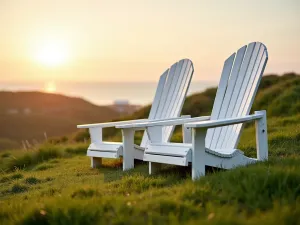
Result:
135,40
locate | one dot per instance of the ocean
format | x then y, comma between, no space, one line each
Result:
102,93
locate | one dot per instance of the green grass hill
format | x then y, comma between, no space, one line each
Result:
54,184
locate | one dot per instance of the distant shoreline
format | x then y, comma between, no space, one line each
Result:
104,93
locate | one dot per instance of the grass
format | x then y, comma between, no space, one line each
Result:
68,191
11,161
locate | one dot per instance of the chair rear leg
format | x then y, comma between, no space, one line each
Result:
96,162
154,167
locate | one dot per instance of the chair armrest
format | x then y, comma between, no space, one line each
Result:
110,124
166,122
117,123
224,122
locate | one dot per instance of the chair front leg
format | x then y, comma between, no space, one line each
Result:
261,136
128,148
198,152
96,137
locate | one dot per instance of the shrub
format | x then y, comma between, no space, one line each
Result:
18,188
32,180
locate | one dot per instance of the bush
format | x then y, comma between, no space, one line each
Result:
32,180
18,188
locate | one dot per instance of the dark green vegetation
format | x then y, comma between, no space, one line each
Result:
28,115
54,184
279,95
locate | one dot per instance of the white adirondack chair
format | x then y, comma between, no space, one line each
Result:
215,138
167,104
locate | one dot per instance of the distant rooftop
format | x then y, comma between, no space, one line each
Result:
121,102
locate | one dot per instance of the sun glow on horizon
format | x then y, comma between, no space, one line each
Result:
51,53
50,87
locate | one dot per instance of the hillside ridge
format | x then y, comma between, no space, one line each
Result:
34,116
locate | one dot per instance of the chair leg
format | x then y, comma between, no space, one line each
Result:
198,153
128,149
261,136
154,167
96,162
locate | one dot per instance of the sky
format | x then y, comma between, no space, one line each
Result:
136,40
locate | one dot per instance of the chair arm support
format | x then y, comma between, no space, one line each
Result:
224,122
164,122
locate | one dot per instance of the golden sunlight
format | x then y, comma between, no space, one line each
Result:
52,53
50,87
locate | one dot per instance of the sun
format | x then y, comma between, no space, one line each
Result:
51,53
50,87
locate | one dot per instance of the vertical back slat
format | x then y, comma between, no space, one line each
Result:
168,103
156,101
229,91
253,69
238,91
220,95
165,94
184,86
172,96
239,86
158,94
243,90
179,96
262,60
172,91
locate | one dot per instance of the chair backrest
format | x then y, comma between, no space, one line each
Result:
238,85
170,95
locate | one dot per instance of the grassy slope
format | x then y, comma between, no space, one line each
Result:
55,185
